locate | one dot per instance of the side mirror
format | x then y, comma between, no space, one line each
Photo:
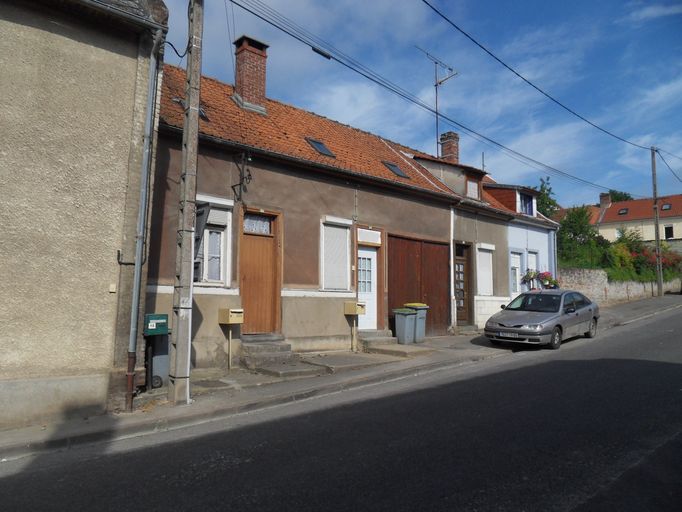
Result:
570,310
503,306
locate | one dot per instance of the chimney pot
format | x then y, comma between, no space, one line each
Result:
604,200
449,142
251,56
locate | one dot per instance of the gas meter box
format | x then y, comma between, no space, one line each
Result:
354,308
155,324
231,316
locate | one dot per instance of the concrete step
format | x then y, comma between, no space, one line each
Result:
374,333
261,338
468,330
400,350
265,346
291,369
368,343
259,359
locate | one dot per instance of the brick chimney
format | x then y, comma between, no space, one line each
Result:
250,73
449,142
604,200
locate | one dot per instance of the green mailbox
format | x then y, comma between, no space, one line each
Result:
155,324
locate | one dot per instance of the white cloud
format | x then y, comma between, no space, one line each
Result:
652,12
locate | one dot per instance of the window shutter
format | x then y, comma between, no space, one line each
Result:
336,258
485,272
217,217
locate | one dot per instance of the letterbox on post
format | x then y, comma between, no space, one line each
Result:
231,316
353,308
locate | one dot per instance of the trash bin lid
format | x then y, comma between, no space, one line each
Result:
416,305
404,311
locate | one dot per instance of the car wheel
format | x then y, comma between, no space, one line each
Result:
593,329
555,340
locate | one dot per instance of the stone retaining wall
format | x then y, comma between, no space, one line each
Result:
594,284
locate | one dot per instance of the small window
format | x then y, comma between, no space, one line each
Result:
211,244
396,170
335,257
320,147
669,232
623,211
526,204
472,189
257,224
666,206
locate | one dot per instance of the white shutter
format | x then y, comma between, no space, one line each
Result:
335,264
485,272
532,261
217,217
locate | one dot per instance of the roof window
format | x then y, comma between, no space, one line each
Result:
666,206
320,147
623,211
396,170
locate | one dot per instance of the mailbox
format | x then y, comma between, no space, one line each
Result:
155,324
231,316
353,308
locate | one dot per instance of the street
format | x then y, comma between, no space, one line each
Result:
595,425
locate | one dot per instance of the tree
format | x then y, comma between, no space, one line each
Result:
617,195
547,205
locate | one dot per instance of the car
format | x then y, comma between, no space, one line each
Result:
544,317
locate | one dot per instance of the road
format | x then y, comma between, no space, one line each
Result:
594,426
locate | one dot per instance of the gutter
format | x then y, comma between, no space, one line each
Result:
152,84
99,5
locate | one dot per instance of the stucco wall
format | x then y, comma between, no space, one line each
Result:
68,93
594,284
644,227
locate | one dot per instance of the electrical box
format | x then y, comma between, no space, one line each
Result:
354,308
231,316
155,324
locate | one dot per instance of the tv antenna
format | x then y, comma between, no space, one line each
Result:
439,67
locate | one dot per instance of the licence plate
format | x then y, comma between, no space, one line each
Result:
508,334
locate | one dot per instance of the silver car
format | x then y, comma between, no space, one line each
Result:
544,317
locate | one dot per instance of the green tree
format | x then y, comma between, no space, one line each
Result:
578,242
547,205
617,195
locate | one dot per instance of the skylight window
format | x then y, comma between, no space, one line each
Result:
666,206
320,147
623,211
396,170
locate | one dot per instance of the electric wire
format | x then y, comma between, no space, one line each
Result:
519,75
304,37
176,50
668,166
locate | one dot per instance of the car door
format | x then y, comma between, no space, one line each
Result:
584,309
570,316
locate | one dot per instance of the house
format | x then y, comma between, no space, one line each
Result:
531,236
638,215
78,84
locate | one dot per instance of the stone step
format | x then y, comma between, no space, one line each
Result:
379,340
292,369
400,350
265,346
374,333
255,361
261,338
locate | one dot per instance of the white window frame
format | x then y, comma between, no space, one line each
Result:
473,189
515,278
330,220
225,280
489,249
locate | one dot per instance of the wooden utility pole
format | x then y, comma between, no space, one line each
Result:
181,340
659,266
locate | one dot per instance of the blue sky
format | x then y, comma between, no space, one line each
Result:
617,63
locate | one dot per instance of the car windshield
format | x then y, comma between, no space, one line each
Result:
535,302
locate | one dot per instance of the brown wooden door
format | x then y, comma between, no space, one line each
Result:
462,286
259,285
418,271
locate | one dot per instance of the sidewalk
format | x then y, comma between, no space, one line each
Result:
220,395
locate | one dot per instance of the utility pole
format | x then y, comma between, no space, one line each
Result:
659,267
181,340
437,63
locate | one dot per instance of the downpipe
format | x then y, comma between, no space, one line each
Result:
141,217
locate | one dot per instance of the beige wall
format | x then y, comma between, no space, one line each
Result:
67,103
644,227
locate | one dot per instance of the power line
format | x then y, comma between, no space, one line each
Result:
659,150
668,166
547,95
325,49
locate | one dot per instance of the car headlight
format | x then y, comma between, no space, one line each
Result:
532,327
490,323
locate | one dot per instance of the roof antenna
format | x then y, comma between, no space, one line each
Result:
449,73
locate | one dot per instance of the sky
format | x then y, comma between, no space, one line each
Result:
616,63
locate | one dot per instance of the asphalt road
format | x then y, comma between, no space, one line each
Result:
594,426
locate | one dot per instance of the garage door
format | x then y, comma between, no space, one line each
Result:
418,271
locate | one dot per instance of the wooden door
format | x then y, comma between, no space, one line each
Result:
462,283
259,284
435,286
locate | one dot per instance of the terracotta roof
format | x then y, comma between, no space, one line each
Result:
641,209
283,131
593,211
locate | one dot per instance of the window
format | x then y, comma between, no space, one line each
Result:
669,232
623,211
364,275
396,170
211,241
335,257
255,224
666,206
472,189
320,147
515,272
526,204
485,272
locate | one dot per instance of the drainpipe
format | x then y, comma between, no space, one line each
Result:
142,216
